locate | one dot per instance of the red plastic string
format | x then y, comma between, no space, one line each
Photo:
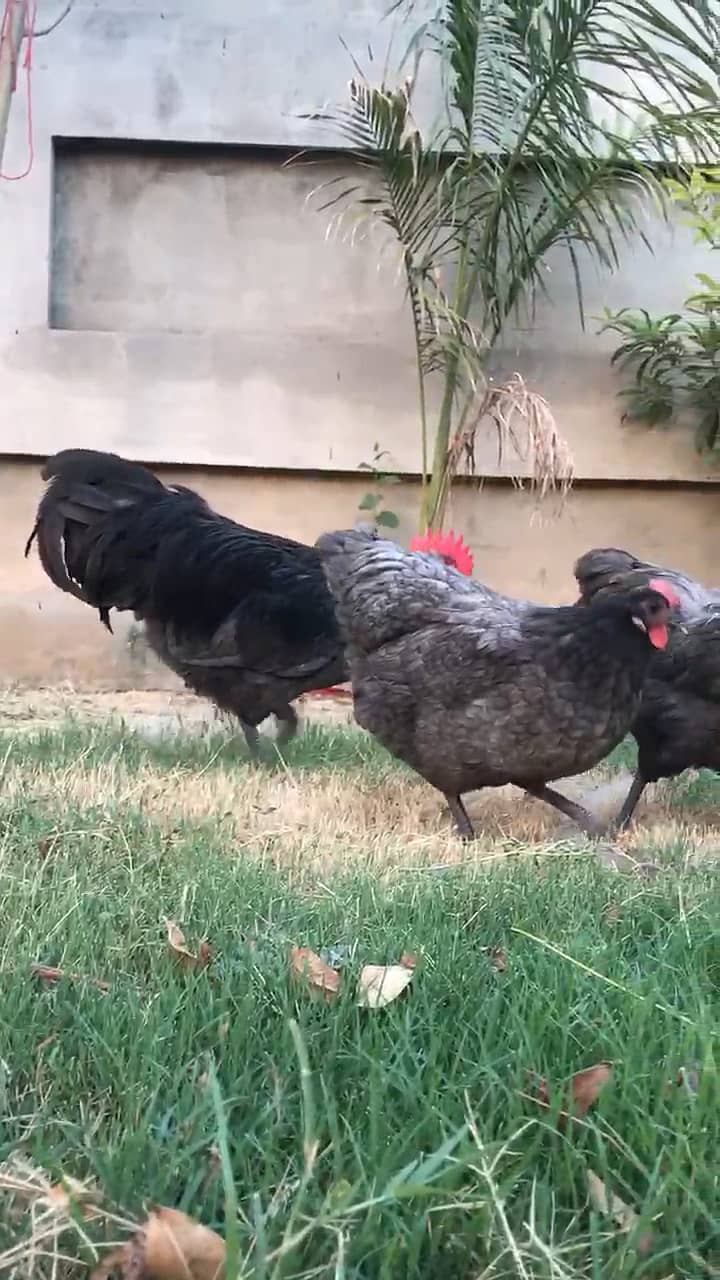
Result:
28,33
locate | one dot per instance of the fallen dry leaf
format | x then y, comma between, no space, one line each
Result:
319,976
496,956
408,960
623,1217
169,1246
579,1093
61,1196
185,958
380,984
585,1086
51,974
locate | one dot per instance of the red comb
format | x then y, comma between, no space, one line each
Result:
664,589
449,546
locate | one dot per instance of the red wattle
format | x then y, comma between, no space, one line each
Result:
658,635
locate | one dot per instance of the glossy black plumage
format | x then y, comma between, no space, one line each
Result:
244,617
678,722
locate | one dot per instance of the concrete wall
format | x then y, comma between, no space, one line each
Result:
167,290
201,316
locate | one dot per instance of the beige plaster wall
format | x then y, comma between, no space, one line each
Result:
172,294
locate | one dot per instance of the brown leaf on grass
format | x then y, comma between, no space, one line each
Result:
320,977
63,1196
578,1095
585,1086
537,1088
186,959
622,1216
380,984
168,1246
51,974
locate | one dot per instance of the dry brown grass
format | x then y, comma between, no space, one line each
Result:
310,823
49,1217
313,821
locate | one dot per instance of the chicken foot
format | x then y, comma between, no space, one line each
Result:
575,812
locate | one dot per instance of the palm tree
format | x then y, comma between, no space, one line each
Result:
559,116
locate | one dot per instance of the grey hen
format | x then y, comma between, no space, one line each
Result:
474,689
678,723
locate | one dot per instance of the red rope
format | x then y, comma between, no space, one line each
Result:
28,32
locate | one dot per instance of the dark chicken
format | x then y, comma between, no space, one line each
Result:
678,723
245,618
473,689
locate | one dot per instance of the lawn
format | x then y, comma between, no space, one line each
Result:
320,1138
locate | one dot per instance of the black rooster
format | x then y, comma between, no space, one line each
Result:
245,618
473,689
678,724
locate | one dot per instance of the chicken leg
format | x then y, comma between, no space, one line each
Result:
622,822
584,820
460,816
289,721
571,810
252,739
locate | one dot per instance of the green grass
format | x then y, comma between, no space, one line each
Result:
316,747
118,1086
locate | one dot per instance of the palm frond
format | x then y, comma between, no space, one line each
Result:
553,83
558,115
